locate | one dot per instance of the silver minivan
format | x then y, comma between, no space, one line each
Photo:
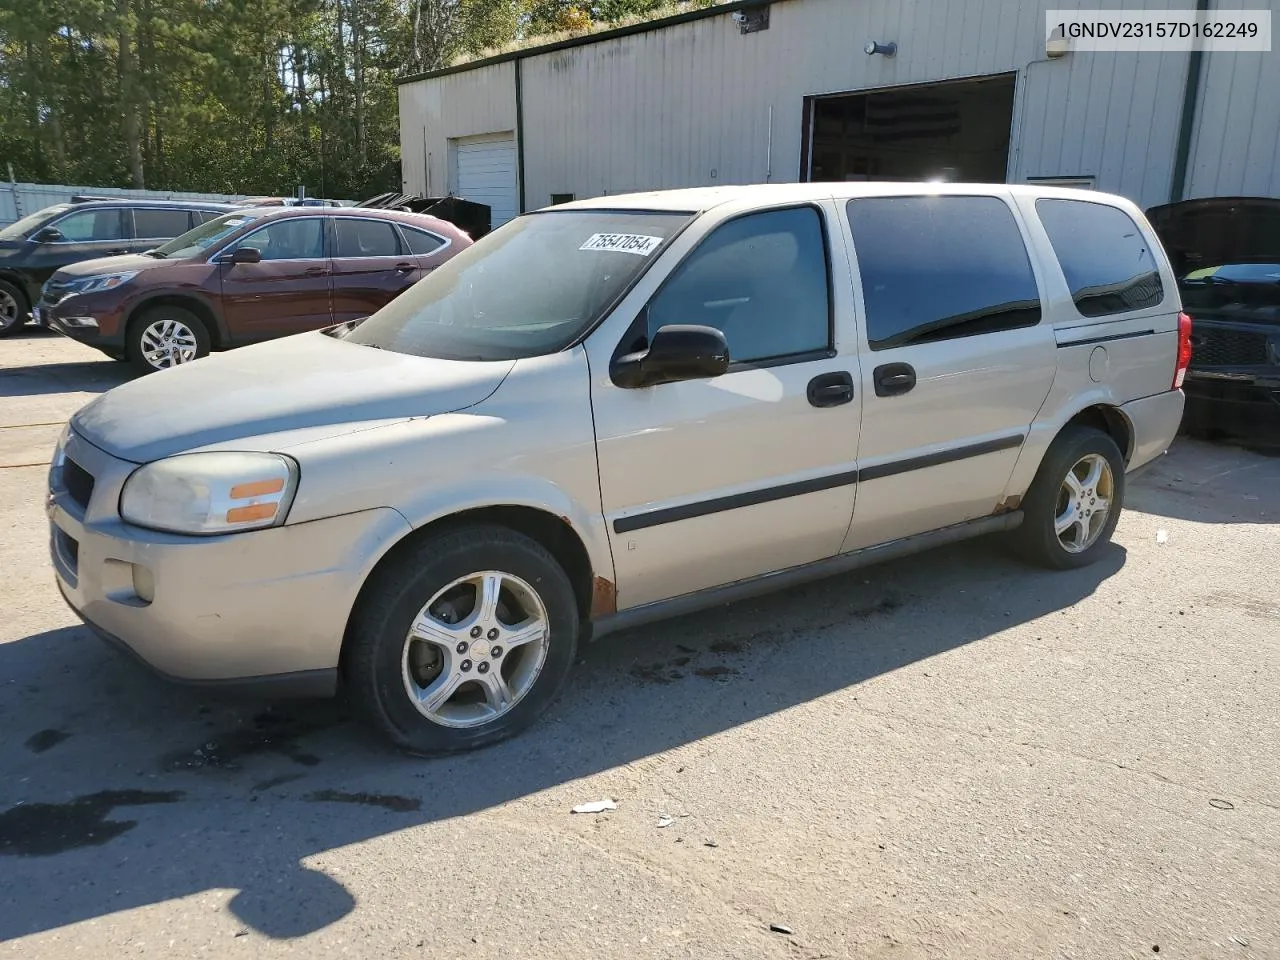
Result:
615,411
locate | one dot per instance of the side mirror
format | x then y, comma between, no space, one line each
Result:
678,352
47,235
242,255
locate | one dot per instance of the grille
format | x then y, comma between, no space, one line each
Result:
78,481
53,293
1227,348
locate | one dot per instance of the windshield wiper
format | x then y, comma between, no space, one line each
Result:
156,254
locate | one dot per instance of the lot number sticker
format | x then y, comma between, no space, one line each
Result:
623,243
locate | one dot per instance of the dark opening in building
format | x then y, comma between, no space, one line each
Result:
957,130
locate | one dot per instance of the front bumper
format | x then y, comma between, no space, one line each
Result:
1243,401
266,608
95,319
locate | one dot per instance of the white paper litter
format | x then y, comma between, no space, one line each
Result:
665,821
595,806
1162,536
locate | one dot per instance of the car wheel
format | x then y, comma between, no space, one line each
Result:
13,308
461,641
1074,503
165,337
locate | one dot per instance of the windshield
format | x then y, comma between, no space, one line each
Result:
195,242
530,288
19,230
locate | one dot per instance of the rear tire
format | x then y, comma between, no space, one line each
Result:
461,641
1074,503
14,309
166,336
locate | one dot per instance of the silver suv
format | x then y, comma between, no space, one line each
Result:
616,411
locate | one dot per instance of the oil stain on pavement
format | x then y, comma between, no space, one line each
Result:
43,829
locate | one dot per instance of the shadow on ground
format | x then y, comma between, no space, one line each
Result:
1209,483
135,792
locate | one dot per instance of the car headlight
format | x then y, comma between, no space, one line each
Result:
210,493
108,281
59,458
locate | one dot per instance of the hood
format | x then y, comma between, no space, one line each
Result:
1218,230
129,262
307,386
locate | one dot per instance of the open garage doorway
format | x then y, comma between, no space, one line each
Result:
957,130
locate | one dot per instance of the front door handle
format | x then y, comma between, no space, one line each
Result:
403,267
830,389
316,271
118,251
894,379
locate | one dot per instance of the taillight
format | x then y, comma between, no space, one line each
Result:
1184,350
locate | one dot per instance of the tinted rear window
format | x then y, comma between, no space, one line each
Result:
935,268
150,223
1105,258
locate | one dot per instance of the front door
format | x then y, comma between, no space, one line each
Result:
288,291
371,267
956,362
706,482
85,234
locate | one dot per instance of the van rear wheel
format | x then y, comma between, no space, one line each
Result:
1074,503
462,641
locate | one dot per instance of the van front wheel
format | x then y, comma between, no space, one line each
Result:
1074,503
462,640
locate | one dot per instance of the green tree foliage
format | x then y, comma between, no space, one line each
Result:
240,96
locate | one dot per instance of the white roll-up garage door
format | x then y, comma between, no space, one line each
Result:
485,171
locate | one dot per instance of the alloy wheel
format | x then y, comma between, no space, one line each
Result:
475,649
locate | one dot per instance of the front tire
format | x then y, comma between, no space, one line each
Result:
164,337
1074,503
14,308
461,641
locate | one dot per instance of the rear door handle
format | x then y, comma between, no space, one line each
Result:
831,389
118,251
316,271
894,379
404,267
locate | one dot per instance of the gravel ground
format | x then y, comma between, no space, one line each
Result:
947,756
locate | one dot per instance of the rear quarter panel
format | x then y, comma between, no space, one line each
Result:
1102,361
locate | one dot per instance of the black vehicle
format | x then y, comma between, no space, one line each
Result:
84,229
1226,253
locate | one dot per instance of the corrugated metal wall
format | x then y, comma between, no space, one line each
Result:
436,111
1237,139
19,199
691,104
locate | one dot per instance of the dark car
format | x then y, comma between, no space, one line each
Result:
1226,253
247,276
38,244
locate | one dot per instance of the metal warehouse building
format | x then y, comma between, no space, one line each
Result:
754,92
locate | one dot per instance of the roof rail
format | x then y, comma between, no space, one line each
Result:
84,198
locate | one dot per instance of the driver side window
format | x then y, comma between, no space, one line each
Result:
301,239
760,279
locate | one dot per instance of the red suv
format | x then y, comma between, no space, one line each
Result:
246,276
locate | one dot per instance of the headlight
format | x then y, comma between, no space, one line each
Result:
59,458
210,493
108,281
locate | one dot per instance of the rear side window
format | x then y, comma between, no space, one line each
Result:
761,279
366,238
152,224
937,268
421,242
1104,256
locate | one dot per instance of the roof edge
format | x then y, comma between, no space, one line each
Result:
590,38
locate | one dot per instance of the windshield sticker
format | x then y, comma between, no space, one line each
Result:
623,243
